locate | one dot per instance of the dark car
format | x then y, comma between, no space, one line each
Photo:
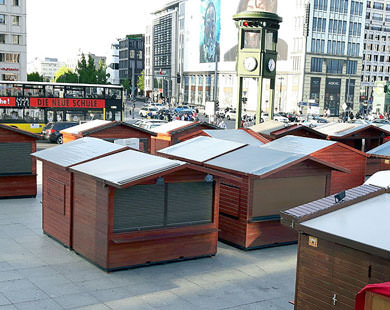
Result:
51,131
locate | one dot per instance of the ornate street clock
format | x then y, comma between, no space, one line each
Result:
257,55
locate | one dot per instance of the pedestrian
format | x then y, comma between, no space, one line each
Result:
222,124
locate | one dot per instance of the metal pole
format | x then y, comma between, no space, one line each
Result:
239,102
259,99
272,99
133,79
216,79
280,93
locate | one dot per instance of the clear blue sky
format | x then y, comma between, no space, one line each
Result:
60,28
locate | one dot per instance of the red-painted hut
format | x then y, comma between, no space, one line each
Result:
297,130
133,209
379,159
362,137
177,131
342,247
330,151
110,131
18,170
57,191
268,181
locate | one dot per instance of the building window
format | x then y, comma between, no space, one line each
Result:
334,66
139,54
132,54
2,38
351,67
316,64
16,39
2,2
9,57
15,2
16,20
378,6
2,19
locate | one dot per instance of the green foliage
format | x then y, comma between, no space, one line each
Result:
34,77
88,73
66,75
141,81
126,85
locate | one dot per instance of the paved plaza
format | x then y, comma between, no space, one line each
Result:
36,272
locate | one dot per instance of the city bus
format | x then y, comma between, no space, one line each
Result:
31,105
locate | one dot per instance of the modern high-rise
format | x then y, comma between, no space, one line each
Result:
46,67
334,51
162,62
13,50
376,51
131,58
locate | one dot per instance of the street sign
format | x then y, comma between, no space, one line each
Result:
344,106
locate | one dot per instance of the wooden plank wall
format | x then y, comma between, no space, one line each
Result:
376,164
158,144
56,202
331,269
345,158
90,214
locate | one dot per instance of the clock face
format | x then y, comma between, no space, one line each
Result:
271,65
250,63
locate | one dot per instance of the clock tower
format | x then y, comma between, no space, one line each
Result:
257,55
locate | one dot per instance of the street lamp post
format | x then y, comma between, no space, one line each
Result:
280,92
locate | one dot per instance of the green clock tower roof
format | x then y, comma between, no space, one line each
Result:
258,15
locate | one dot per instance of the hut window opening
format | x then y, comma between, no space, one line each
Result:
146,207
15,158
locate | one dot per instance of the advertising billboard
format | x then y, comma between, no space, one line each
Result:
210,30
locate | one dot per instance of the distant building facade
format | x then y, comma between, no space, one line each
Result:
13,41
113,64
131,58
47,67
376,49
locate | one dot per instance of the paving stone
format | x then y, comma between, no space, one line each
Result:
76,300
43,304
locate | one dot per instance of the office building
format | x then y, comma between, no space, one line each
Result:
376,48
113,64
13,50
131,58
46,67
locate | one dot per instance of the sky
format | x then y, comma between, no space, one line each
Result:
60,29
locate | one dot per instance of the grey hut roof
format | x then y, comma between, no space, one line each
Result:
298,144
364,225
77,151
254,160
339,130
381,150
201,149
126,167
234,135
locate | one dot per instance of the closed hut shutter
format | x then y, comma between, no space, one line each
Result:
190,203
15,158
139,207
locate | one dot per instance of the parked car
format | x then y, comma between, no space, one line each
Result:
231,114
381,121
51,131
146,110
277,117
183,109
291,116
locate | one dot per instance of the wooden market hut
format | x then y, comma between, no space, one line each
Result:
362,137
378,159
175,132
329,151
242,135
110,131
266,128
18,170
341,247
57,191
269,181
154,211
297,130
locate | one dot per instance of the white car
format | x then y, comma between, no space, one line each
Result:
277,117
145,111
231,114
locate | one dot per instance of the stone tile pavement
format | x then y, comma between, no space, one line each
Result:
36,272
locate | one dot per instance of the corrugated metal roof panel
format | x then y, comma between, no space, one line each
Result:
382,150
125,167
77,151
340,129
298,144
86,126
201,148
327,203
366,222
234,135
381,179
170,126
254,160
267,127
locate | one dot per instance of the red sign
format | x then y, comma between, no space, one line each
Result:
9,69
67,103
7,102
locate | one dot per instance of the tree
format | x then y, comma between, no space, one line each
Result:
86,70
126,86
141,81
34,77
66,75
101,74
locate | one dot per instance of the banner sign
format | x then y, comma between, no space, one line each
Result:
76,103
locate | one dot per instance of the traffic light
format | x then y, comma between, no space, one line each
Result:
178,79
247,23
